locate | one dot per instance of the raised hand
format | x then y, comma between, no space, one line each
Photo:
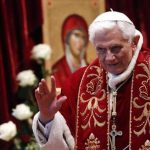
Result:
47,101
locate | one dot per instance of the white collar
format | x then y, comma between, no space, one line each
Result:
115,79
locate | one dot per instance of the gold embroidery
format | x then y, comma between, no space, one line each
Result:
144,117
92,110
92,143
144,91
95,84
146,146
130,121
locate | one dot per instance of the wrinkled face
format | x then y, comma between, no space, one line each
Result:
114,52
77,42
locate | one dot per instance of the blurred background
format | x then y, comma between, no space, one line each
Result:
28,23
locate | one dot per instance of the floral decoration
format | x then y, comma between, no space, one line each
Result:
19,130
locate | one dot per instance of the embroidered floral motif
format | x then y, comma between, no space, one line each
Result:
92,110
146,146
144,90
95,84
92,143
144,118
146,83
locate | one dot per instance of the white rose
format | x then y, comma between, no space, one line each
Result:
8,131
22,112
41,51
26,78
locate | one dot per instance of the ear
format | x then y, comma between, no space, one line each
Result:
135,40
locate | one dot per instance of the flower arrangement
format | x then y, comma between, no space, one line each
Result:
8,131
22,112
40,53
26,78
20,130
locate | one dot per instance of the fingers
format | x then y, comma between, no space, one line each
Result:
53,86
44,86
42,90
60,101
37,94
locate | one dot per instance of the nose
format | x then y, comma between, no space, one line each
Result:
109,56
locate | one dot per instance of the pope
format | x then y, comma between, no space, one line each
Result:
106,105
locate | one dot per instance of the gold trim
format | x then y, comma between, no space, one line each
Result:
94,100
130,119
92,110
108,116
89,112
77,121
146,145
92,143
144,118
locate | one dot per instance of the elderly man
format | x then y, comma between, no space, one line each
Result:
106,106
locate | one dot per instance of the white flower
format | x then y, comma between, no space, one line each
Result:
8,131
26,78
41,51
22,112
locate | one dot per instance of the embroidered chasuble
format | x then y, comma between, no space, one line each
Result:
91,121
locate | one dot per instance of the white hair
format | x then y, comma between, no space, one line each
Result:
109,20
127,29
